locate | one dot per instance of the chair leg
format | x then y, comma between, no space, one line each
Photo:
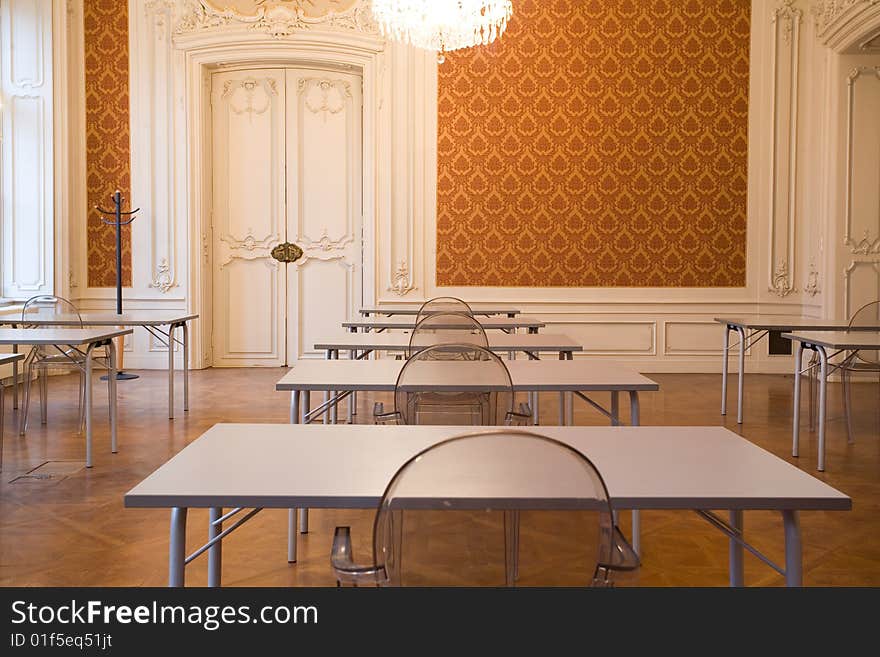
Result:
44,394
847,407
26,392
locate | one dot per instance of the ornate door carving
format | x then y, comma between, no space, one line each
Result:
286,211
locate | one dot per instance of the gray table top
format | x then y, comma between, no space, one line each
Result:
348,466
414,310
5,359
409,322
497,342
786,323
135,318
61,335
527,375
838,339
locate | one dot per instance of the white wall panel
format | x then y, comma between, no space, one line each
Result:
317,313
27,147
610,338
692,338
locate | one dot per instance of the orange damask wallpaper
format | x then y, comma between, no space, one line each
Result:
108,151
598,143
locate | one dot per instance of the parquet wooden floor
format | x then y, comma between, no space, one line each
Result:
73,530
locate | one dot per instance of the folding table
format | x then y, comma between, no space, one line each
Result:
476,309
567,377
751,329
256,466
507,324
153,321
76,338
5,359
820,342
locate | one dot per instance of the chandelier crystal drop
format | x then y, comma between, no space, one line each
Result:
442,25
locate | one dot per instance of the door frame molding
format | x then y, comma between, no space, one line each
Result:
204,53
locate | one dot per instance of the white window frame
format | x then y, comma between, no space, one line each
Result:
27,198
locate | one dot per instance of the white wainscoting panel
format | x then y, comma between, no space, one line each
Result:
695,338
26,135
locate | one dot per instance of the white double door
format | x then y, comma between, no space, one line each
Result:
287,160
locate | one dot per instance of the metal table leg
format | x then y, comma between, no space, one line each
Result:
88,405
291,513
794,575
328,356
43,385
796,402
334,408
561,398
742,366
111,392
171,372
185,331
2,419
215,552
823,389
15,375
615,408
177,547
304,513
352,398
735,551
635,420
725,350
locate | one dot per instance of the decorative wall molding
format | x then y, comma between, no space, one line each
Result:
155,94
786,21
812,286
401,282
870,45
248,248
324,87
867,241
163,280
325,248
839,22
848,286
612,337
781,281
249,85
276,20
178,104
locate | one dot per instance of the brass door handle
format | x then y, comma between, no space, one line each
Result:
287,252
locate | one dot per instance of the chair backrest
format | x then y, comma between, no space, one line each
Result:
467,500
446,328
50,307
867,316
443,305
458,384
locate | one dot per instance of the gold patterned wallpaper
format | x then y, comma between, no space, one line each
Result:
108,151
597,143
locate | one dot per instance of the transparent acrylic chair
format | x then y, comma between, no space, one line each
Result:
865,361
449,515
47,307
454,384
443,305
446,328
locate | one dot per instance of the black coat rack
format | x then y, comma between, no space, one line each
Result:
118,223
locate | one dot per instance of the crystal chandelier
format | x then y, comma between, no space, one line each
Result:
442,25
